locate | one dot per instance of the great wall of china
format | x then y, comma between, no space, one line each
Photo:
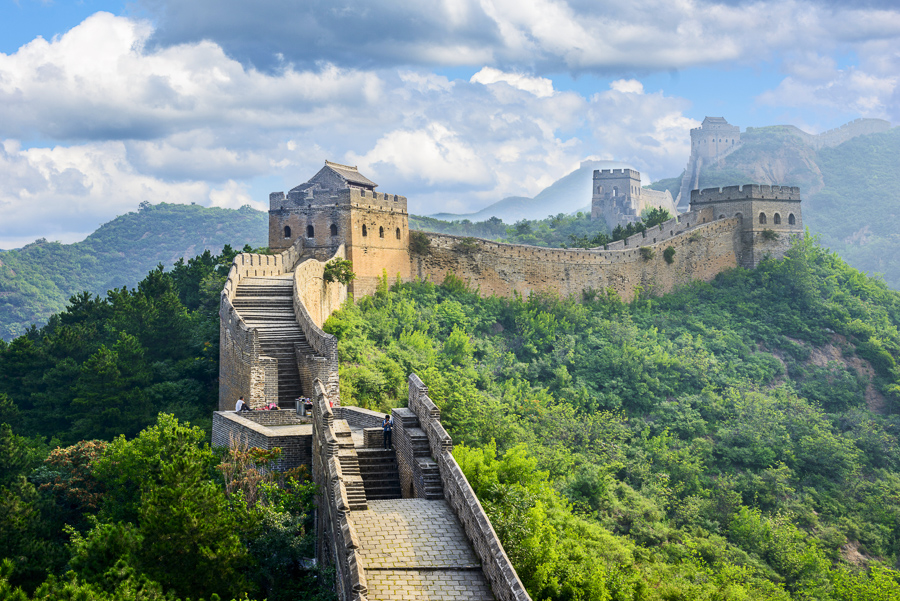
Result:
273,349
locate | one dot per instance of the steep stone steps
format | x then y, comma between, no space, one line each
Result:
267,305
380,473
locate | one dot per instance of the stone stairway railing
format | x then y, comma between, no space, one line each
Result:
338,543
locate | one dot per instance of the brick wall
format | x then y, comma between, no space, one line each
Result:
703,247
337,543
497,567
295,443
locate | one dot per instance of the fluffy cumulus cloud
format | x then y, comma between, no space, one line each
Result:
205,101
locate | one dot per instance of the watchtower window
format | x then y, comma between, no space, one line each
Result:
792,220
333,230
739,215
777,219
615,190
721,216
381,232
365,231
287,231
398,233
310,231
762,218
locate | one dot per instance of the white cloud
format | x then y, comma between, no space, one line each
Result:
539,86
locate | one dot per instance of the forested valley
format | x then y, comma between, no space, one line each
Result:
733,440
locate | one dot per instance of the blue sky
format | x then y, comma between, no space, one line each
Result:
453,103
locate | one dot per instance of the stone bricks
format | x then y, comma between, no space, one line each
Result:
266,430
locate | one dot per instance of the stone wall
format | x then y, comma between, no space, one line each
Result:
498,569
337,541
314,301
243,372
703,248
249,427
359,417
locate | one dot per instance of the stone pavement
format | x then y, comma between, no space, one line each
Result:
416,549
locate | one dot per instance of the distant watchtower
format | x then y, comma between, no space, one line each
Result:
714,138
339,205
770,216
619,199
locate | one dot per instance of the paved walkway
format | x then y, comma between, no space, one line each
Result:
416,549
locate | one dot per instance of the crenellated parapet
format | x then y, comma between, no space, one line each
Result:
747,191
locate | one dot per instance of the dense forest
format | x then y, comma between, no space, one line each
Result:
106,489
733,440
37,280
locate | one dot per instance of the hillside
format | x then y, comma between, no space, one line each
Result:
734,440
851,192
37,280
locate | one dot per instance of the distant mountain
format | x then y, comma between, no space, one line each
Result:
567,195
851,192
37,280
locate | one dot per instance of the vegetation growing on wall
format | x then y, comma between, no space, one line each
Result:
735,436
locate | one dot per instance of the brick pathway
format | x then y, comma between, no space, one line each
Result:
416,549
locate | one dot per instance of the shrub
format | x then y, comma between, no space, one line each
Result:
419,243
669,254
647,253
467,245
769,234
338,270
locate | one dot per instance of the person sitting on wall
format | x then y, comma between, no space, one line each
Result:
241,405
387,425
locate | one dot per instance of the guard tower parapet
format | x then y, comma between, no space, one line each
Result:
618,197
770,217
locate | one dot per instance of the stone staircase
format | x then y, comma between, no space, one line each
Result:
380,474
421,454
353,482
266,304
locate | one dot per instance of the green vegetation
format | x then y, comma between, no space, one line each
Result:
733,440
339,270
849,192
137,506
554,232
36,281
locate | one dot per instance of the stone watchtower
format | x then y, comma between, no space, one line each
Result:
714,138
619,198
339,205
770,217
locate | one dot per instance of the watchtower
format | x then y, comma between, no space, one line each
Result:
770,216
619,198
339,205
714,138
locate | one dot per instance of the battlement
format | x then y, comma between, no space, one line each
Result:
605,173
747,191
371,198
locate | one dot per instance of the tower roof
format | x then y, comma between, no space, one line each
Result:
351,174
334,176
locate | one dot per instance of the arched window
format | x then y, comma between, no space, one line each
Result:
365,232
762,218
380,232
333,230
739,215
721,216
792,220
287,231
777,219
398,233
599,189
615,190
310,231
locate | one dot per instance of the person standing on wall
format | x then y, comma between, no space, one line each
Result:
387,425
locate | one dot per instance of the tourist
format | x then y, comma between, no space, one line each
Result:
387,425
241,405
